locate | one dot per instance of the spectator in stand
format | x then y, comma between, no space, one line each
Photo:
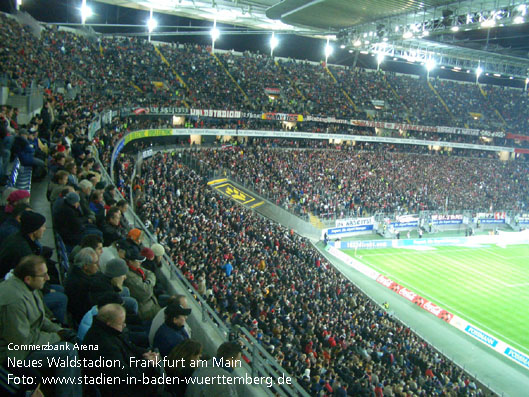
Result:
135,237
26,153
88,318
159,319
111,229
59,181
11,224
23,322
123,207
79,280
230,353
141,284
14,198
69,222
172,332
93,241
24,242
106,332
187,353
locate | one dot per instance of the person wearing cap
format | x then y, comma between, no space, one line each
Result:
159,319
23,323
111,280
111,229
69,222
78,280
172,332
141,284
24,242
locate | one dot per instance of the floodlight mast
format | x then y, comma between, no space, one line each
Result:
479,70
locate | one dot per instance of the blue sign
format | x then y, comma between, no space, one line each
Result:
491,221
348,229
448,222
400,225
482,336
517,356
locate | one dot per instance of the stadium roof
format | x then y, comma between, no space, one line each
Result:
491,34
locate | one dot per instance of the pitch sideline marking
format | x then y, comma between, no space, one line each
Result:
521,347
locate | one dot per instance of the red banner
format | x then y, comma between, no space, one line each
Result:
518,137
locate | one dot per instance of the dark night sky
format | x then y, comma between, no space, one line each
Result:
293,46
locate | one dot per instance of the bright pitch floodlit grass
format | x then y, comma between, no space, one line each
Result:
487,285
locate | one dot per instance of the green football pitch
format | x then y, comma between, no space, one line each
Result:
486,285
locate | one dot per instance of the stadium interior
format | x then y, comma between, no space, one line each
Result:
348,217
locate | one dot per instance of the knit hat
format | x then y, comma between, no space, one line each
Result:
135,235
31,221
100,185
148,253
13,198
72,198
133,254
115,268
158,249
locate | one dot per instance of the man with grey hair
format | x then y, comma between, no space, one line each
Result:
79,280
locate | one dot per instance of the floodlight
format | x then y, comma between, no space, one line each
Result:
425,33
215,34
380,58
489,23
273,42
523,9
407,35
151,24
328,50
385,39
357,43
430,64
454,28
518,20
86,12
497,75
479,70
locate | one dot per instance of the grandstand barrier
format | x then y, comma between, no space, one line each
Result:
470,329
208,328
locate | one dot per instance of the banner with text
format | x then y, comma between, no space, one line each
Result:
454,219
355,222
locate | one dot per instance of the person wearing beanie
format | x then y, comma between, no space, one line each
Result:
18,196
24,242
11,224
135,236
69,222
110,281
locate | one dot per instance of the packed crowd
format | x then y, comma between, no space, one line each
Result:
253,272
337,181
259,275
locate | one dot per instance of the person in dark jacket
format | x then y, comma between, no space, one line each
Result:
172,332
111,228
111,281
11,225
187,354
69,222
78,281
23,243
107,334
26,152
